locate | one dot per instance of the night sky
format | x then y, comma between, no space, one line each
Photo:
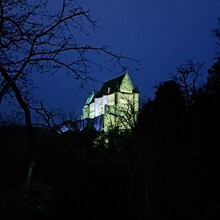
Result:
160,34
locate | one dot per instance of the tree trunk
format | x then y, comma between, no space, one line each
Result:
27,113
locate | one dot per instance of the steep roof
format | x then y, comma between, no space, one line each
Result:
108,87
111,86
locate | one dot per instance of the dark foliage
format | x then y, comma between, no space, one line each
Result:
166,168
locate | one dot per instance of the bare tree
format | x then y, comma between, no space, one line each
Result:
187,75
124,115
36,38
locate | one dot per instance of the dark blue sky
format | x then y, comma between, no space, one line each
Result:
158,33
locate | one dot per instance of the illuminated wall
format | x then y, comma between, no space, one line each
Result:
119,105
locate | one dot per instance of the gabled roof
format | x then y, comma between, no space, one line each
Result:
108,87
111,86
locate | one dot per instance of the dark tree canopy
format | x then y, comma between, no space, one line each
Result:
213,80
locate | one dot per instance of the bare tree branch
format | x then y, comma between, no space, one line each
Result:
187,75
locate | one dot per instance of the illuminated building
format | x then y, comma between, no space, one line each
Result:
115,105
